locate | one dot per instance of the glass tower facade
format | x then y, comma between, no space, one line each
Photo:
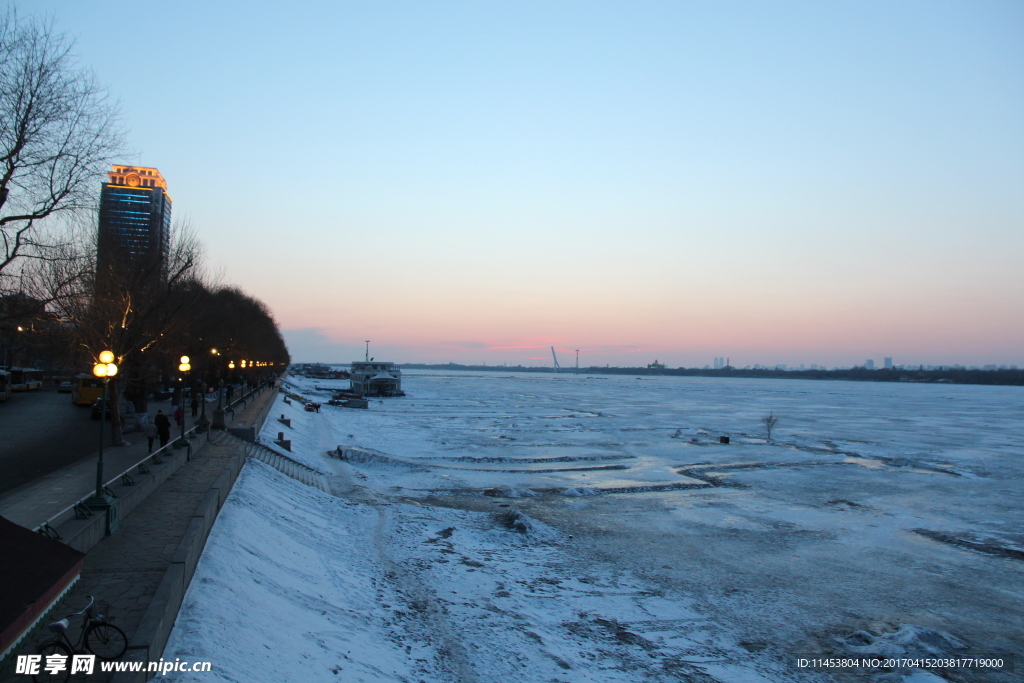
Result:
135,224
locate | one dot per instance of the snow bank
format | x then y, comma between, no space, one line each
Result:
522,523
579,491
286,591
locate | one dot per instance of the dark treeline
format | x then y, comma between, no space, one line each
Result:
951,376
148,317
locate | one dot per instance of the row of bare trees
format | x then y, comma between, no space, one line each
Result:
59,134
59,131
150,319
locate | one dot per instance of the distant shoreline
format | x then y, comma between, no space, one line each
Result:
906,375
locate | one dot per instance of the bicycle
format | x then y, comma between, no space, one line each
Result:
99,637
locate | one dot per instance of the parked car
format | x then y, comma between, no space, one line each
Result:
96,410
64,388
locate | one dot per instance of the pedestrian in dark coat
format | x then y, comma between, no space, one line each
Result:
163,427
151,434
195,406
179,416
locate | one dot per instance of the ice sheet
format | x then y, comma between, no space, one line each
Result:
874,507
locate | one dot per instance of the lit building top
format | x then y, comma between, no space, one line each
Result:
134,222
137,176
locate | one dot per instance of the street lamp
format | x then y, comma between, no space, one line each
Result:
203,423
103,369
183,367
218,413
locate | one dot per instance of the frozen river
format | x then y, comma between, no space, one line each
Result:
880,518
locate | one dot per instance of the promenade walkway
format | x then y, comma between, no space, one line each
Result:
33,503
125,569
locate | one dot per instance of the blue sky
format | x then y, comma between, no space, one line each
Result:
778,182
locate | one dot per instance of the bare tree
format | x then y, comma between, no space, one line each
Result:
769,421
137,309
58,132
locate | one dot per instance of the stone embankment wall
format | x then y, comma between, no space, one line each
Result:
150,637
148,641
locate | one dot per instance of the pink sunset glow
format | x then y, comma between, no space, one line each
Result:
809,183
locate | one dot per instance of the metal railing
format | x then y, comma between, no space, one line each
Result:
81,511
245,399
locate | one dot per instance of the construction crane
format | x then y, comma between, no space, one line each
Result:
557,366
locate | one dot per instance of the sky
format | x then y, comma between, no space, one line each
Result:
772,182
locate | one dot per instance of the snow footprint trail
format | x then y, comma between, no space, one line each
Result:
436,622
527,610
435,630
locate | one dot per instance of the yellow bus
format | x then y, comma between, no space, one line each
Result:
86,390
26,379
5,385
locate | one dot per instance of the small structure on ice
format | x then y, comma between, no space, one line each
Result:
376,378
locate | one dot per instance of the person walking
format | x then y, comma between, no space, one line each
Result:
195,406
163,427
151,434
179,416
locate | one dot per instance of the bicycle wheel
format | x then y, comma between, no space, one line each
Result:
106,641
54,647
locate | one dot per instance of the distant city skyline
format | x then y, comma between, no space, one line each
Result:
772,183
309,346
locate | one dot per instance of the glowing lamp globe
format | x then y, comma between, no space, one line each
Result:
100,369
106,357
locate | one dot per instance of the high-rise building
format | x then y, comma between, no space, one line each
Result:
135,223
888,362
869,364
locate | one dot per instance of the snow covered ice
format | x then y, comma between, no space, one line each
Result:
532,527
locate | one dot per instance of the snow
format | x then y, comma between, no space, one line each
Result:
525,527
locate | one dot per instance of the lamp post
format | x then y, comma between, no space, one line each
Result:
183,367
104,369
203,423
218,413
